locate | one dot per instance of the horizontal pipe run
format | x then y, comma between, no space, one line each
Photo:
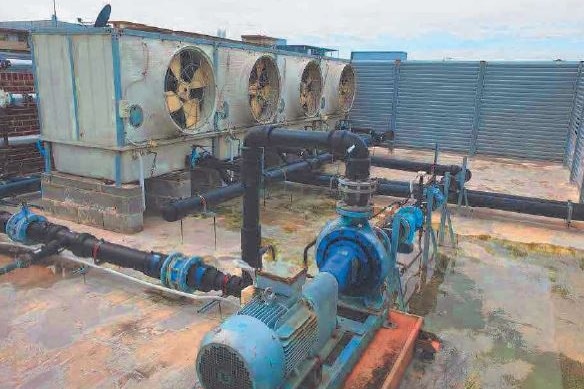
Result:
150,263
21,186
200,203
501,201
19,140
413,166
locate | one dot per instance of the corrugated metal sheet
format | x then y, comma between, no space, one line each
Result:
374,97
525,109
436,104
577,164
574,146
514,109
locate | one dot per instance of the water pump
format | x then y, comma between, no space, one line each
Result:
295,332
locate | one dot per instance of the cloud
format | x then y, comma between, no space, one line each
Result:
352,24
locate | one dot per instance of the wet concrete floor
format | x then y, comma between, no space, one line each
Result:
507,302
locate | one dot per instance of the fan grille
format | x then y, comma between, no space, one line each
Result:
347,88
311,88
264,89
189,89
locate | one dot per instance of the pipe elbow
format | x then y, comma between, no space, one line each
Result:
258,136
341,141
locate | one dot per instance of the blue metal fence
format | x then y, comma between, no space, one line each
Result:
513,109
532,110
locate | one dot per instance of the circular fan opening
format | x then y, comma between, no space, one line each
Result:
347,88
311,88
189,89
264,89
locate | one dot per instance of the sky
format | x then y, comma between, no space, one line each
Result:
437,30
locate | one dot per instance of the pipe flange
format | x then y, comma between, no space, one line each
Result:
18,223
175,270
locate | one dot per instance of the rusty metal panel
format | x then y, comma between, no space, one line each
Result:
526,108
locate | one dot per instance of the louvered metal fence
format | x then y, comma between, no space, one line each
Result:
532,110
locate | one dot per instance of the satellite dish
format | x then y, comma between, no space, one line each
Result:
103,16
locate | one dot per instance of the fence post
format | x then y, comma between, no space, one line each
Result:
573,114
396,71
477,108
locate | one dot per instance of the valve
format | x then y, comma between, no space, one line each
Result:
17,225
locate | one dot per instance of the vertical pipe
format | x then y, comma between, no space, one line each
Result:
251,228
116,63
142,185
48,153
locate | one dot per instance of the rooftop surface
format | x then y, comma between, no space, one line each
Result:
506,302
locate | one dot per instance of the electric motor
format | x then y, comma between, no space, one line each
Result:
270,336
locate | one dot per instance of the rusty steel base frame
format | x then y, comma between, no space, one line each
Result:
360,339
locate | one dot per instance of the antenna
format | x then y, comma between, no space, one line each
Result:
55,12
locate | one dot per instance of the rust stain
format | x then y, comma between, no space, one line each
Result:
388,354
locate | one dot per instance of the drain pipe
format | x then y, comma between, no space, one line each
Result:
342,143
480,199
178,209
20,186
175,271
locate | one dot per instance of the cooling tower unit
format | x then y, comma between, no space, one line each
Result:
303,87
339,88
189,89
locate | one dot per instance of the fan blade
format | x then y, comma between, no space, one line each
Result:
199,79
266,90
192,112
256,107
253,89
173,102
175,67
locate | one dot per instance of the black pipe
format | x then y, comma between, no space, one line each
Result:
413,166
150,263
20,186
501,201
178,209
341,143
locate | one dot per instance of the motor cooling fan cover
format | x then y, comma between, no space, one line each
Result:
189,89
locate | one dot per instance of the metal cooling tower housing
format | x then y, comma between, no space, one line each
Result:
339,88
303,86
249,91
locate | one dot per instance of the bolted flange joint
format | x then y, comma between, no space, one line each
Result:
175,270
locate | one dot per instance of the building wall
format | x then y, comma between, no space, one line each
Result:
19,121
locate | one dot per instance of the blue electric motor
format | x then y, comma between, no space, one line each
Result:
282,326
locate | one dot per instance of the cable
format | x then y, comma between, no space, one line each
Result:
149,284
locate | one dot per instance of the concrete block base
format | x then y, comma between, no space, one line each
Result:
91,202
163,189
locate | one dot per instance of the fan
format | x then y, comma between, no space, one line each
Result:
311,88
187,86
347,88
264,89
